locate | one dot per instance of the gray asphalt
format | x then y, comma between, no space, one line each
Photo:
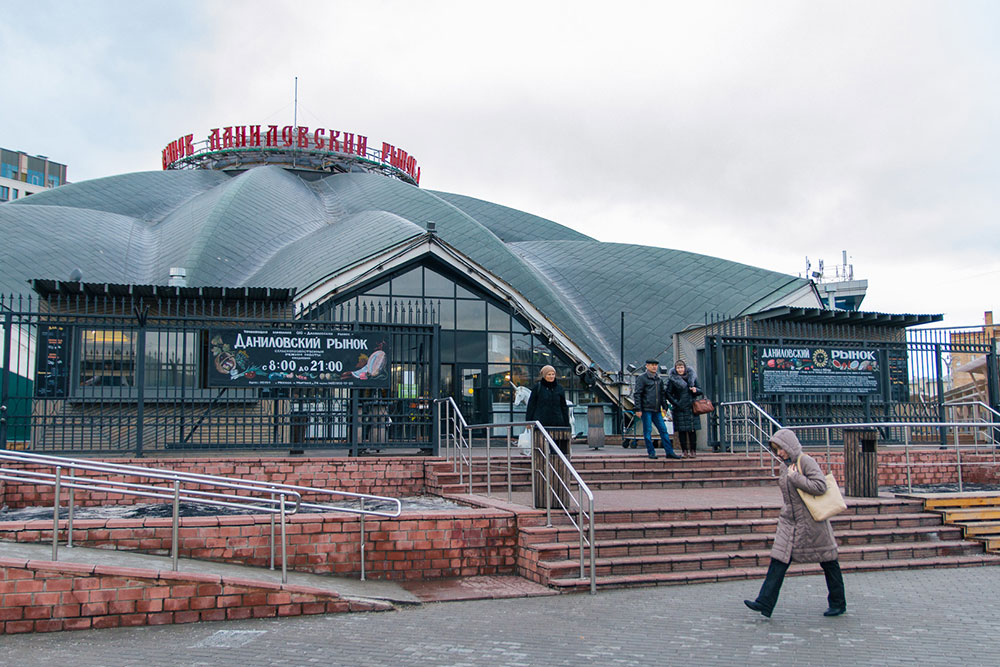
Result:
917,617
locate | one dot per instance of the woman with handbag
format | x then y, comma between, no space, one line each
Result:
547,405
799,537
682,389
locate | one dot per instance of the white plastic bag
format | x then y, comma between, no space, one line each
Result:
524,443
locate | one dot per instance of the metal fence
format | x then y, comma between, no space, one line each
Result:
129,375
915,375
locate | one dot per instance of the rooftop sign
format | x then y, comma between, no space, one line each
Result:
302,146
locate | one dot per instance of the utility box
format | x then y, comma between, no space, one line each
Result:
861,462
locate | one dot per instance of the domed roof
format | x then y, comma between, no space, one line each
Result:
270,227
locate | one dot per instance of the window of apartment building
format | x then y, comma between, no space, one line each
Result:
4,193
15,194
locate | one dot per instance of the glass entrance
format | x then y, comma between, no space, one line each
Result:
474,396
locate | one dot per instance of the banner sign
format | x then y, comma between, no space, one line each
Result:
52,361
283,358
819,370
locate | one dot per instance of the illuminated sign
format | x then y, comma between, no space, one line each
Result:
324,140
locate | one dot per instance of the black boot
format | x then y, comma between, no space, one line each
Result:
836,598
768,596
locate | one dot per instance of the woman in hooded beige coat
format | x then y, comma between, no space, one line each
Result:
800,538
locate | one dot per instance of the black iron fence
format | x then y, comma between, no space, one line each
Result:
134,375
810,374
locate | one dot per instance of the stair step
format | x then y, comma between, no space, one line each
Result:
959,500
666,529
758,558
700,576
977,528
977,514
713,544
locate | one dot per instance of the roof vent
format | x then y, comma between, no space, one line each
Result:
178,277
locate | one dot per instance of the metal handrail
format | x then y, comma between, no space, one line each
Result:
760,435
977,405
274,503
906,426
455,437
585,522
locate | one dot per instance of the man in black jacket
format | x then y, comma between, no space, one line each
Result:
649,397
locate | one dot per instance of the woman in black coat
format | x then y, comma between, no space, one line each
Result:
682,389
547,405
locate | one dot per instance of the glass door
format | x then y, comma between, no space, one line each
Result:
473,397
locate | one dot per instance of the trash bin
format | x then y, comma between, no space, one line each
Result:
861,462
595,425
540,470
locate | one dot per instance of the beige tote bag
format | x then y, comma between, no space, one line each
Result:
831,503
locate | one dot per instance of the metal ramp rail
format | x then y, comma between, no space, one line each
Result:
263,497
747,420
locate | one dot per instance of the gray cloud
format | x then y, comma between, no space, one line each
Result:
761,132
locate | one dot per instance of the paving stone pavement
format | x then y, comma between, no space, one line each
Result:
918,617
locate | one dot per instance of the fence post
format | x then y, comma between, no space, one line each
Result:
140,377
993,382
5,378
939,366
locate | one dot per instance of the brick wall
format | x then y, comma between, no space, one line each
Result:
383,476
415,546
39,596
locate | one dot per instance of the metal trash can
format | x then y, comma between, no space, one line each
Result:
861,462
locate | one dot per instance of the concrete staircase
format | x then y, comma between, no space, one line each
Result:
691,546
610,473
977,514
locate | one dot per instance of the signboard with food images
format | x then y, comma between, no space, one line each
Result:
819,370
281,358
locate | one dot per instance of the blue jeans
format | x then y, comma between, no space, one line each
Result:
649,418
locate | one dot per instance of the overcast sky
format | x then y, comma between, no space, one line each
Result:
758,131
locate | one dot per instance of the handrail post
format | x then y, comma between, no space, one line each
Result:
829,462
175,526
548,483
510,472
362,506
284,542
69,523
958,460
580,502
531,462
272,534
468,432
489,469
906,450
55,516
593,555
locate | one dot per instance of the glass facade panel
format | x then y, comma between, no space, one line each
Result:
485,348
437,285
499,347
408,284
446,313
470,346
470,314
496,319
107,358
